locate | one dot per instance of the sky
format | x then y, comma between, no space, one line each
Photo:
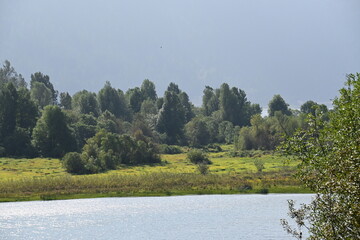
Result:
301,50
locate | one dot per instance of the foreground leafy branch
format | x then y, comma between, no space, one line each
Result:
330,165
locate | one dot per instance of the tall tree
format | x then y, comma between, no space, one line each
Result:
65,100
135,99
228,103
197,133
173,87
9,75
171,118
329,153
185,102
45,79
86,103
52,135
111,100
148,90
277,103
40,94
310,107
8,105
18,115
210,102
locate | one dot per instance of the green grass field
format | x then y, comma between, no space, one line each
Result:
42,178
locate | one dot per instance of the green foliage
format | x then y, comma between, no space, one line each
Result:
107,150
18,115
170,149
234,106
145,125
197,156
185,102
148,90
259,164
266,133
135,98
65,100
311,107
210,102
52,136
45,83
85,127
102,152
85,102
203,168
277,103
41,95
73,163
113,101
174,88
329,154
9,75
300,217
225,132
196,132
109,122
148,107
171,118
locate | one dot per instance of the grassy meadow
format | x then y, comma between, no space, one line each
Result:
46,179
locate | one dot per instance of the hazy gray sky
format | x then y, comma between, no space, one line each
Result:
299,49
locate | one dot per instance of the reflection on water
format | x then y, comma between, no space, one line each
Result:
182,217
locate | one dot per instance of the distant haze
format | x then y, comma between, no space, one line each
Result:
301,50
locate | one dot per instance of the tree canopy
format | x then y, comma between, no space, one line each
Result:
330,155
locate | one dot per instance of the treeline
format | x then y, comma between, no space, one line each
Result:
37,120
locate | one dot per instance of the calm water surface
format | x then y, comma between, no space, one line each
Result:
182,217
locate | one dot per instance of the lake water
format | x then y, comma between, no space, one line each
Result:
180,217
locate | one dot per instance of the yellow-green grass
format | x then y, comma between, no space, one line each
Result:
177,163
145,184
41,178
12,168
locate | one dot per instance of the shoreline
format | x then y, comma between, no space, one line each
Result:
68,196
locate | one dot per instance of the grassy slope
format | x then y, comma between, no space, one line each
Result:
40,178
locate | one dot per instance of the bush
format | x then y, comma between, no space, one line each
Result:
107,150
213,148
203,168
259,164
73,163
170,149
197,156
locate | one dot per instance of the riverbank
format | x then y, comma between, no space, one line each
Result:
155,184
46,179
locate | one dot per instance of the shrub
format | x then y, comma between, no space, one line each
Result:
259,164
170,149
203,168
197,156
213,148
73,163
107,150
